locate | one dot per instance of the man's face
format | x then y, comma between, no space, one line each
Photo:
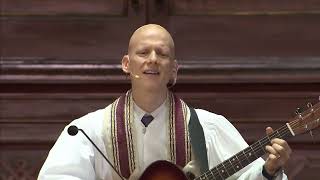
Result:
151,58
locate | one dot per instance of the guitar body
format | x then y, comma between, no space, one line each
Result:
163,170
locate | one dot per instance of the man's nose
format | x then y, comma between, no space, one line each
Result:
153,56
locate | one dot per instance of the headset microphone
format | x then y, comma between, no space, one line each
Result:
135,76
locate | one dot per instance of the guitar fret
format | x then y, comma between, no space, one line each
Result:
254,152
217,169
262,147
235,160
244,157
258,150
222,171
269,138
211,176
234,170
229,167
279,134
250,155
205,175
202,178
215,173
225,169
239,162
265,141
273,135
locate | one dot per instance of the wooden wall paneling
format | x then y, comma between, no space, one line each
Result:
34,121
304,164
31,123
194,7
64,7
76,30
56,39
247,111
222,70
252,61
224,28
21,163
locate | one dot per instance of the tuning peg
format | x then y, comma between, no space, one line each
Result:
309,105
298,111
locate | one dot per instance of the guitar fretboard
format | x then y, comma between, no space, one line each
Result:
244,157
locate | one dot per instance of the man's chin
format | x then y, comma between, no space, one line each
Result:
154,87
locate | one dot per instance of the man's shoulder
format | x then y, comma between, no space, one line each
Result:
94,118
207,115
209,119
94,115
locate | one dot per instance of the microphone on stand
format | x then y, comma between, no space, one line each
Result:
73,130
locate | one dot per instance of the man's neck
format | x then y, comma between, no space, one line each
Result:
149,101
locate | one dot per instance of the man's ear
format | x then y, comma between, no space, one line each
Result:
175,69
125,64
174,74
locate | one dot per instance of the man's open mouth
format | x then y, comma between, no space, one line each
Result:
151,72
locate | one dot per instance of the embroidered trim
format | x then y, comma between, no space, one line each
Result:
114,136
128,120
181,133
187,138
123,138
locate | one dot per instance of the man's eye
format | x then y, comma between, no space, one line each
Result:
163,55
142,53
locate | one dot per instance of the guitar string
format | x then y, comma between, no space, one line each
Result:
282,131
211,173
244,158
229,167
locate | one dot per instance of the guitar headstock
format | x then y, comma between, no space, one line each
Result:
307,120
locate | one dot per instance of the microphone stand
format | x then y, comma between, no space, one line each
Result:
73,130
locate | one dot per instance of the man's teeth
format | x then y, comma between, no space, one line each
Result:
151,72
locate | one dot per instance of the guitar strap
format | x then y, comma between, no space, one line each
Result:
198,141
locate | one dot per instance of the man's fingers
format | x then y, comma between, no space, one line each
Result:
272,150
273,157
281,146
277,151
269,130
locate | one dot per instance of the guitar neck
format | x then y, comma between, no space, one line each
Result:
244,157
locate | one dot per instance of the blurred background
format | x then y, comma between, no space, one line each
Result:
253,61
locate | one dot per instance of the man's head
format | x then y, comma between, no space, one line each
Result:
151,57
152,30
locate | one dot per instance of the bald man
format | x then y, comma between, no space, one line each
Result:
149,123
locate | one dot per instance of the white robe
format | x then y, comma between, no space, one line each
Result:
74,158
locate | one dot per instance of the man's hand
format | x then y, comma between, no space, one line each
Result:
279,153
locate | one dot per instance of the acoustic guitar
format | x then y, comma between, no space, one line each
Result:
302,123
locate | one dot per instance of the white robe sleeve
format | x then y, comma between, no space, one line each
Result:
73,157
224,141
